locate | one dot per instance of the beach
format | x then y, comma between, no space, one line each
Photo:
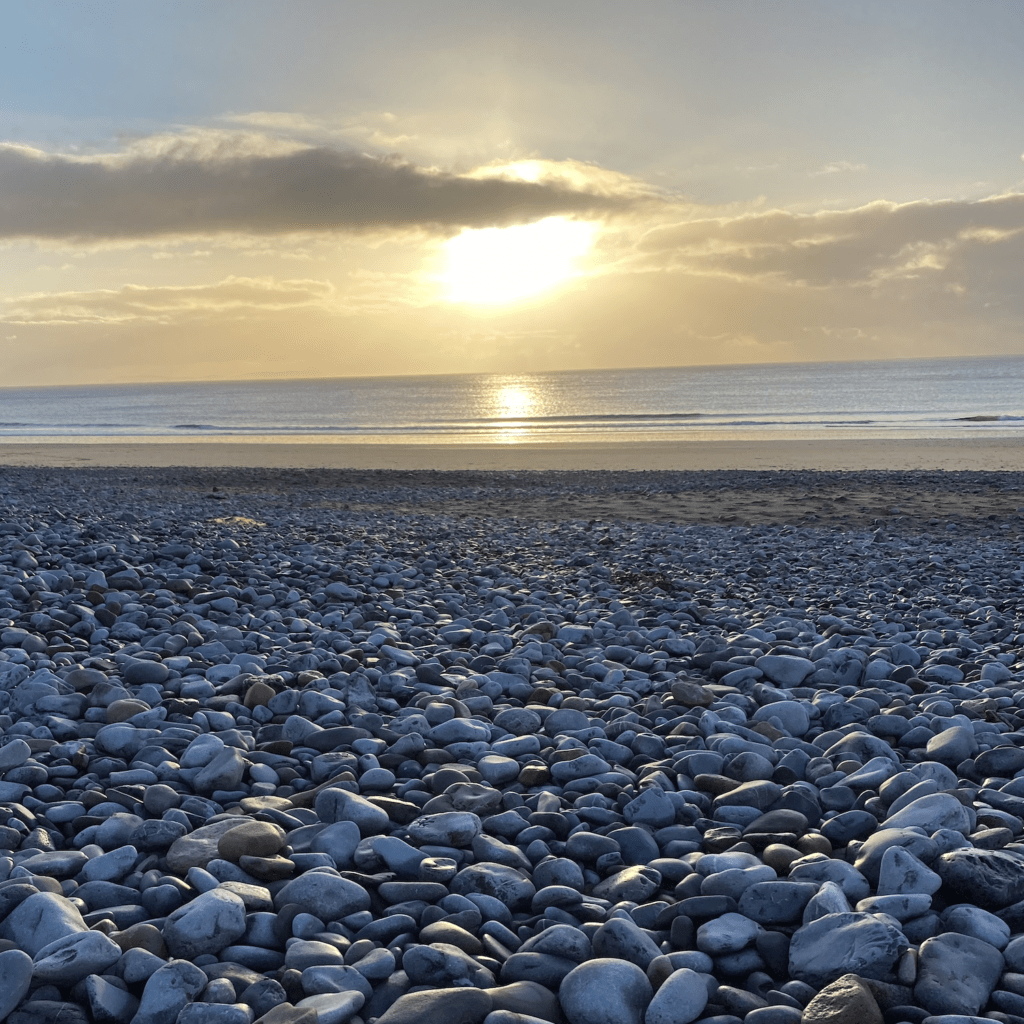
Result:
321,728
979,453
906,485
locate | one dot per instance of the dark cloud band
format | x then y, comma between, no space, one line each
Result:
307,190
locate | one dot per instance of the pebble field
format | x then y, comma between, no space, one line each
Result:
336,754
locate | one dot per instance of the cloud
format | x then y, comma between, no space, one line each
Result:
839,167
376,130
209,183
232,298
863,247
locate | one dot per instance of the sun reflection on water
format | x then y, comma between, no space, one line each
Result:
511,405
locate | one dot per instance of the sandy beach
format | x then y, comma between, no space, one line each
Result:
904,501
976,453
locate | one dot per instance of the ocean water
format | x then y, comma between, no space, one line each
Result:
912,399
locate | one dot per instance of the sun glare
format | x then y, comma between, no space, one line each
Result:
514,402
494,265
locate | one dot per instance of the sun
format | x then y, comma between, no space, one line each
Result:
495,265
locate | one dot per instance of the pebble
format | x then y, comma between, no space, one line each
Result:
825,949
680,999
205,925
605,991
15,979
363,766
956,974
847,1000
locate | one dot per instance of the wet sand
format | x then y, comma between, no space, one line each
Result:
976,453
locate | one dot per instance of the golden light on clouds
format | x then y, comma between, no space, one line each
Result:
490,266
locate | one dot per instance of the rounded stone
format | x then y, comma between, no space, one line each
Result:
122,710
324,895
207,924
439,1006
15,978
680,1000
259,694
139,672
160,798
253,839
605,991
334,805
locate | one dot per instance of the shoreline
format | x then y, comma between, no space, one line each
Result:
988,454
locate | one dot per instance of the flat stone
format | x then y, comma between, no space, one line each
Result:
989,878
938,810
691,694
449,828
286,1013
869,857
339,842
728,933
224,772
579,768
968,920
137,672
198,848
253,839
956,974
40,920
48,1011
332,1007
439,1006
324,895
785,669
215,1013
561,940
509,885
525,998
333,978
838,944
779,902
68,960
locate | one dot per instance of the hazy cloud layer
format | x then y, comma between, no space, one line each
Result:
231,298
959,242
226,185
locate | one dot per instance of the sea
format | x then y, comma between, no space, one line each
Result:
932,398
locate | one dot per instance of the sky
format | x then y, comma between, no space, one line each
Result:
209,191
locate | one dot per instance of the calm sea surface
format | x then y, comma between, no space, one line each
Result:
914,399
